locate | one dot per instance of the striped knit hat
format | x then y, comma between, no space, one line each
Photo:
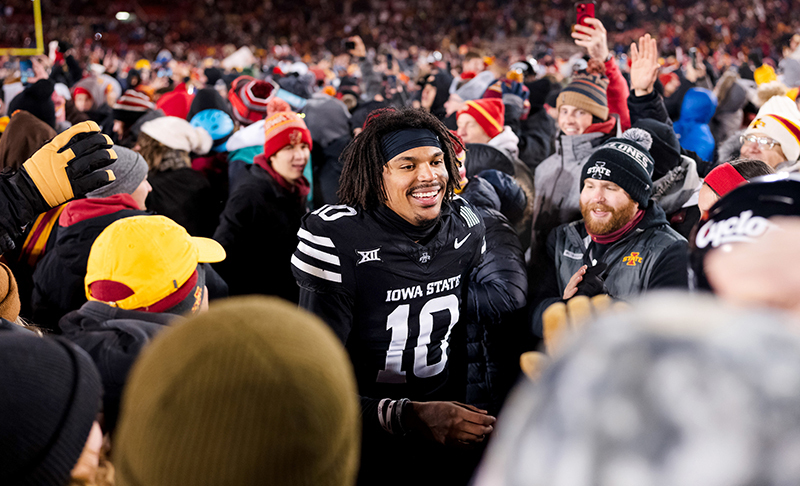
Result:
131,106
587,92
249,98
488,112
284,128
779,119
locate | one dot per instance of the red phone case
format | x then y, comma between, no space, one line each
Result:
584,11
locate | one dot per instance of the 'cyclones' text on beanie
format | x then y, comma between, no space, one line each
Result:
488,112
253,391
51,396
587,92
626,162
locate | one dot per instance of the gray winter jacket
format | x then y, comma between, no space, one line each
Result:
650,256
678,186
557,183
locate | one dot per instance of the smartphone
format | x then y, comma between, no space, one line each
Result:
25,70
583,11
391,81
349,45
389,61
693,56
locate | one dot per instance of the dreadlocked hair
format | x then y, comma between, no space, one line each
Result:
361,182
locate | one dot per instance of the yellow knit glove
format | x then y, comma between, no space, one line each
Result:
559,321
68,165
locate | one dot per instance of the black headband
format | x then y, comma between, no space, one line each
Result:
398,141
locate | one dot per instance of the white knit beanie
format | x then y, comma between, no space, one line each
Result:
177,133
779,119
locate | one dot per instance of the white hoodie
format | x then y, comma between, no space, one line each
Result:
507,141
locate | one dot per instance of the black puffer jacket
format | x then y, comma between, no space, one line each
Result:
536,136
497,292
114,338
58,279
258,230
481,157
327,170
186,197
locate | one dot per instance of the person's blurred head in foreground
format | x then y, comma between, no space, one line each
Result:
253,391
678,390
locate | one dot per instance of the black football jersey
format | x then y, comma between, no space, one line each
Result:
397,300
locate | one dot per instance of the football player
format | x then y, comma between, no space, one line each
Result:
387,269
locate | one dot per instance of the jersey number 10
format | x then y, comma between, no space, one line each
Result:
397,322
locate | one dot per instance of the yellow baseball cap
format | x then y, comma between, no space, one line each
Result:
138,261
142,64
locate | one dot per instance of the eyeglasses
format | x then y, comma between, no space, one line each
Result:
763,142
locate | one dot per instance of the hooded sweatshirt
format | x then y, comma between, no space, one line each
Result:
58,279
692,129
114,338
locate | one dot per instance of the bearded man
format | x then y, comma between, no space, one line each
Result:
624,245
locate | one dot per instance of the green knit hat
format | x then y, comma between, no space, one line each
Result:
254,391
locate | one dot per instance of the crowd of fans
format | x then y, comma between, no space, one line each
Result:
164,172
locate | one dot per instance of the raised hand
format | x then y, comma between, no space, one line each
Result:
593,39
360,49
644,65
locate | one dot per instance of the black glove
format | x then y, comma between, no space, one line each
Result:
66,167
593,283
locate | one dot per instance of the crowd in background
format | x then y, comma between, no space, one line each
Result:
232,121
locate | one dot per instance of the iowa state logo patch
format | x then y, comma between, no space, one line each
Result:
632,259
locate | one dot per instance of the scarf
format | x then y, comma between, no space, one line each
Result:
301,188
616,235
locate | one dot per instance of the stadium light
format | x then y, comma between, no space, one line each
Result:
123,16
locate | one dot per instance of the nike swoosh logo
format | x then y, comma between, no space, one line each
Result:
458,244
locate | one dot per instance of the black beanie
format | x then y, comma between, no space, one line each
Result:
213,75
36,99
626,162
208,99
666,150
51,396
539,90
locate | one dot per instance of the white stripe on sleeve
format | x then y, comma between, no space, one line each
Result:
317,272
319,255
319,240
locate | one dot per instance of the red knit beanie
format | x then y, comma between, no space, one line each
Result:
282,129
489,113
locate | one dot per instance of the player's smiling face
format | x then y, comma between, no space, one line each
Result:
415,182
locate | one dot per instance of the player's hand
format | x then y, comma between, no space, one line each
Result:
572,285
644,65
451,423
593,38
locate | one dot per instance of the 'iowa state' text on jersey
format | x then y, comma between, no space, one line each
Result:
404,298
